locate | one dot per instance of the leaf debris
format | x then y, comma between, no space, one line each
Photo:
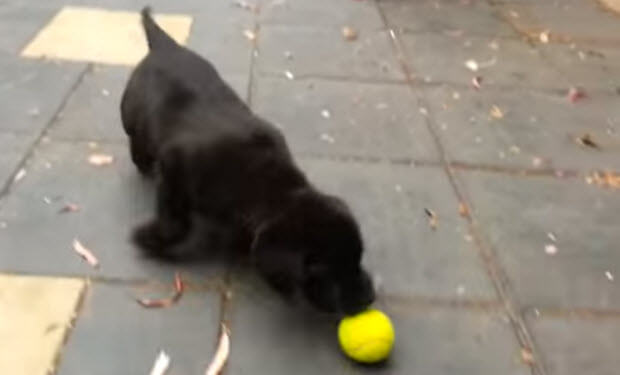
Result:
179,287
349,33
162,362
85,253
433,220
221,354
587,141
100,159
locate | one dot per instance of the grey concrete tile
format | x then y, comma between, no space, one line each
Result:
516,215
218,35
32,92
505,62
19,23
537,129
273,337
437,341
338,13
113,200
324,52
586,66
369,120
114,335
445,16
92,112
13,147
405,256
572,346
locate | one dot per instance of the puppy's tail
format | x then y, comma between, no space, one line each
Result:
155,36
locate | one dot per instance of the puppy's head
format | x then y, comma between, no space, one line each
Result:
315,247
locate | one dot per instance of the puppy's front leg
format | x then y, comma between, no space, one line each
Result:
173,219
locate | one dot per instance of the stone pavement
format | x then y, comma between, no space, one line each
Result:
520,276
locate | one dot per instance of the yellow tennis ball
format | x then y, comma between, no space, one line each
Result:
367,337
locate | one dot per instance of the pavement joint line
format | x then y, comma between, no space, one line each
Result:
334,78
207,284
559,173
253,56
586,314
418,83
76,313
416,303
489,259
5,190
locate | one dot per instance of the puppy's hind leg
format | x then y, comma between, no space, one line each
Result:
173,220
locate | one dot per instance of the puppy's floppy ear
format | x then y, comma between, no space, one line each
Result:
281,267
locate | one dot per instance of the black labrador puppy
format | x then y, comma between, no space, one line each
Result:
214,158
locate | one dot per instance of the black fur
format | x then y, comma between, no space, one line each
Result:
213,157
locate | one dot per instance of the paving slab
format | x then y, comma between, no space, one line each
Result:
517,215
14,147
345,118
406,256
532,129
338,13
273,337
113,199
505,62
445,16
19,23
324,52
37,312
115,335
92,112
219,37
573,346
32,92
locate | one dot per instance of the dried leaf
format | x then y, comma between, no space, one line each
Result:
496,112
586,141
245,5
604,179
609,276
250,35
69,207
463,210
326,114
85,253
551,249
477,82
544,36
527,356
575,94
160,367
100,159
433,221
179,287
288,74
327,138
349,33
19,175
221,354
472,65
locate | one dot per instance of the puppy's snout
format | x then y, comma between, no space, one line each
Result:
357,294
